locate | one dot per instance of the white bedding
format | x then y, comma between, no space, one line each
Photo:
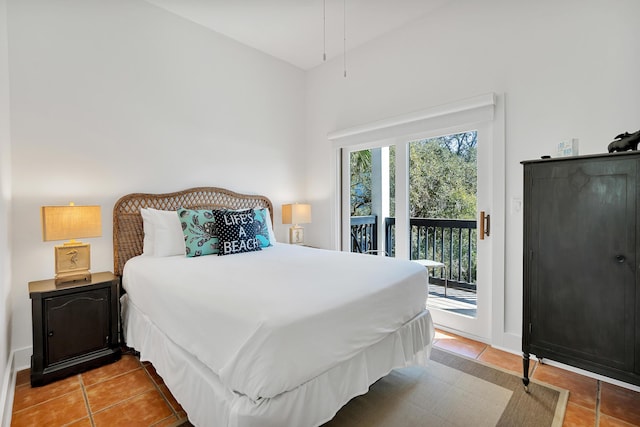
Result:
267,322
209,403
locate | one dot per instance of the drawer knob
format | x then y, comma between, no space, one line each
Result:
620,258
50,334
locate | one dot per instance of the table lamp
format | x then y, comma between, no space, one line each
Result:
73,258
296,214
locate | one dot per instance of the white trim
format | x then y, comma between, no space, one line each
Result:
467,111
463,334
7,392
402,200
22,358
343,200
336,220
509,340
498,272
588,374
18,360
569,368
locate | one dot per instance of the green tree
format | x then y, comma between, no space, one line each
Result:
360,167
443,177
442,184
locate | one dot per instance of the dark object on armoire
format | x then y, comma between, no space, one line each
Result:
75,326
581,277
625,142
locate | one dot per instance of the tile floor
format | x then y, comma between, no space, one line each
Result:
123,393
130,393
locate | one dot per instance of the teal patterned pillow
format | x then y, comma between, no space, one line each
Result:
199,229
262,218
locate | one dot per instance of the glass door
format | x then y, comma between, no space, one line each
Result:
368,199
433,217
450,184
443,185
421,200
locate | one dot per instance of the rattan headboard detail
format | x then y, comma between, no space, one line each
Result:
128,233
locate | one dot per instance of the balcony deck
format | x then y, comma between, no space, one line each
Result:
451,242
459,301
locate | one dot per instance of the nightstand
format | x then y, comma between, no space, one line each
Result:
75,326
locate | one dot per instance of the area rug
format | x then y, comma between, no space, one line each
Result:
452,391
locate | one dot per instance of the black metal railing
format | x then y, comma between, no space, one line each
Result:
450,241
364,233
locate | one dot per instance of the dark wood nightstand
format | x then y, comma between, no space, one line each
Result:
75,326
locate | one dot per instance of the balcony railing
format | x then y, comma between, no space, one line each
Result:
450,241
364,233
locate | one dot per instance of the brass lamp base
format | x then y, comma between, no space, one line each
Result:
72,277
73,260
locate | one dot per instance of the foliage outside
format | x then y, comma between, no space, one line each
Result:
442,185
442,178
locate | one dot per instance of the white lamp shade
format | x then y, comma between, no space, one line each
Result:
297,213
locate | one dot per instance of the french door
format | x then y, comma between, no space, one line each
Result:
381,188
469,255
484,114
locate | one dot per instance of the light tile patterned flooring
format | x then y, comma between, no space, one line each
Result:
130,393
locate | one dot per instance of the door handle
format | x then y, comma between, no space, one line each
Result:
485,225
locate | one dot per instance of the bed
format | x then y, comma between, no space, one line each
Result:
283,335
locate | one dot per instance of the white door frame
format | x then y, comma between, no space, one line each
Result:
485,113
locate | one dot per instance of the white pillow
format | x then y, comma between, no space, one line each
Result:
165,233
149,235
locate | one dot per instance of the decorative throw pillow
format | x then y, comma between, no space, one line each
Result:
236,231
199,229
263,219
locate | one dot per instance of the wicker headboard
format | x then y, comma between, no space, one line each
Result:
128,233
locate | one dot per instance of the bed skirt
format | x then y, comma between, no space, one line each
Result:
209,403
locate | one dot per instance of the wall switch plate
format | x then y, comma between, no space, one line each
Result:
516,205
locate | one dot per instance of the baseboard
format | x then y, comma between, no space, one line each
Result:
22,358
18,360
7,391
589,374
512,341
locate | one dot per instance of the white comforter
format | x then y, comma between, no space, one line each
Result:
266,322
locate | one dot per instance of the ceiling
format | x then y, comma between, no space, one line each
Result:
292,30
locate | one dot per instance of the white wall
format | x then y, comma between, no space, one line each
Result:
114,97
5,206
567,68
